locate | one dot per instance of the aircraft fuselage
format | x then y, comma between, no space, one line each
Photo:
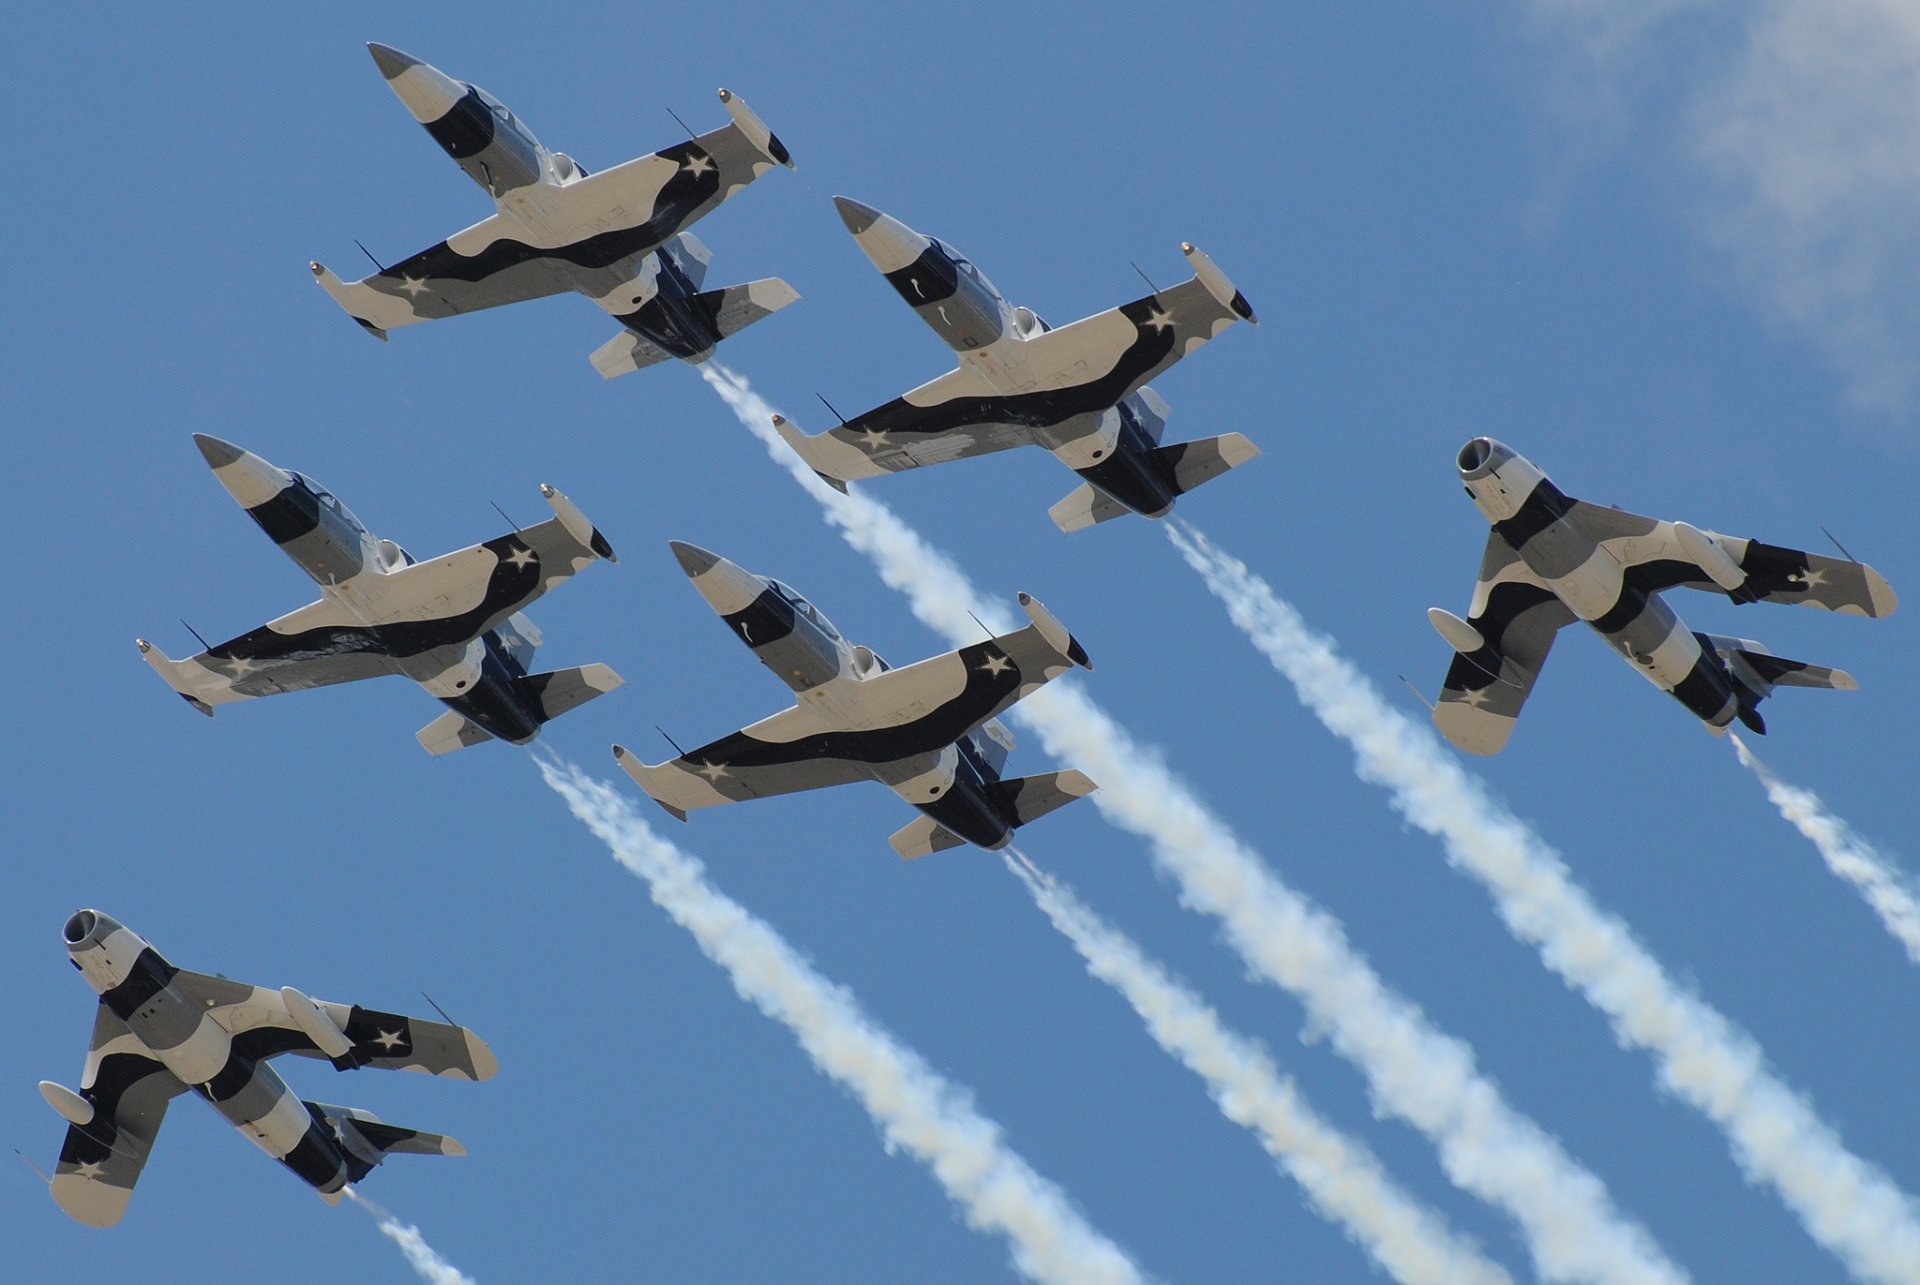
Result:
1536,518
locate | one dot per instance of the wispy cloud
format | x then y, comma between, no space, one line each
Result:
426,1263
1416,1073
1792,128
1342,1178
916,1108
1851,1207
1886,887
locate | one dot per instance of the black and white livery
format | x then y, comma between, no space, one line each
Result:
453,624
617,237
161,1030
929,732
1552,560
1079,391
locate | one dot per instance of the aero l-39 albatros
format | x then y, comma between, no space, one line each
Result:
161,1030
928,731
615,236
1078,391
1552,560
450,625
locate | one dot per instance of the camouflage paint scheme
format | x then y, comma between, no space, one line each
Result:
452,625
1552,560
929,732
162,1030
617,237
1079,391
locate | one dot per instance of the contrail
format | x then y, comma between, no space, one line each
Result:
1887,888
1572,1230
1850,1206
914,1106
427,1264
1343,1179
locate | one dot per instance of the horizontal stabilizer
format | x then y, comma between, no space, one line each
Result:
557,691
1083,506
625,353
366,1140
1206,458
923,836
734,308
1029,797
451,731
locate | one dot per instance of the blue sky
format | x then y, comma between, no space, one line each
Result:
1562,226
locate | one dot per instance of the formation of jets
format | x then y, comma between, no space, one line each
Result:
929,731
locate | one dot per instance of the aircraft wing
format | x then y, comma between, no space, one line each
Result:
263,1024
317,646
100,1163
894,716
1518,617
1080,370
1666,555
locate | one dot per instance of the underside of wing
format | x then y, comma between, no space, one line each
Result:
1661,555
785,754
1515,619
483,267
949,418
101,1161
315,646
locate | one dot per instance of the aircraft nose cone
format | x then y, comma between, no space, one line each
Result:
694,560
891,244
391,61
428,92
726,587
218,454
248,478
857,215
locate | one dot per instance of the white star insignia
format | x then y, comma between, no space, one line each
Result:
90,1170
521,557
241,667
414,286
1812,579
873,438
697,164
713,771
996,665
388,1040
1474,696
1159,320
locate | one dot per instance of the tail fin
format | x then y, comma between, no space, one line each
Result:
1083,506
451,731
1032,797
1757,671
366,1140
923,836
1202,460
557,691
732,309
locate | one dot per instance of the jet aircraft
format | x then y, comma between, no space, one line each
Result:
1079,391
453,625
1552,560
929,732
160,1031
617,237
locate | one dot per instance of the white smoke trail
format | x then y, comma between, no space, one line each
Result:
1572,1229
1886,887
1340,1176
426,1263
1851,1207
914,1106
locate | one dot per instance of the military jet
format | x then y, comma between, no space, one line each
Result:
1079,391
1552,560
161,1030
617,237
929,732
453,625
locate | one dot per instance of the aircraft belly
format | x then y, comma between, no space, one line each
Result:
1590,586
281,1129
1662,648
